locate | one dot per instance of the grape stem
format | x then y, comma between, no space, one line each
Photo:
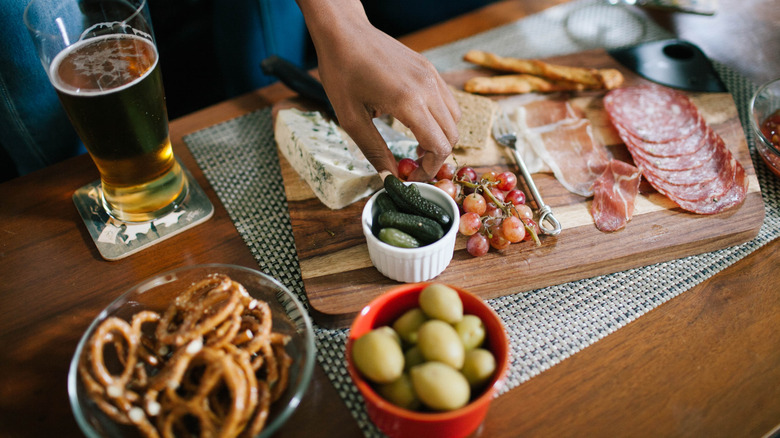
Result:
507,208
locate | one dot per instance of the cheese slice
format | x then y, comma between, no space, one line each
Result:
325,157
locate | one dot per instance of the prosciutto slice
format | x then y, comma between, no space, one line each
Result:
678,153
533,115
574,155
614,195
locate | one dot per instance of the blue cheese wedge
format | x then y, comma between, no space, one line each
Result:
325,157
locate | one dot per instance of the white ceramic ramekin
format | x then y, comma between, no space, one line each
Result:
412,265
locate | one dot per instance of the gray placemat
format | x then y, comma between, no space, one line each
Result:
545,326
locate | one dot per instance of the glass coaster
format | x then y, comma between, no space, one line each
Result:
116,239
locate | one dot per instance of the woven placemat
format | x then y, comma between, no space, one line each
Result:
545,326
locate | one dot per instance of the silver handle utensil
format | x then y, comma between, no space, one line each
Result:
505,134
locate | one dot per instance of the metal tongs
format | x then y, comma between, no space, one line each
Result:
505,134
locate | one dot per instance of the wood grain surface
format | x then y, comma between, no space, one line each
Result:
702,364
339,278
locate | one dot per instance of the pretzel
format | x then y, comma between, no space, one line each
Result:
589,78
209,364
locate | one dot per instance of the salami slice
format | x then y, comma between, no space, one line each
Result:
678,153
652,113
733,197
614,195
713,166
683,146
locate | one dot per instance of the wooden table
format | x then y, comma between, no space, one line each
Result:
706,363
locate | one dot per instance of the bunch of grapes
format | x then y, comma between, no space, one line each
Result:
493,209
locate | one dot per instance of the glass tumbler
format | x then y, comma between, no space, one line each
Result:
102,59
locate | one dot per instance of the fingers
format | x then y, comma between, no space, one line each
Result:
437,133
365,135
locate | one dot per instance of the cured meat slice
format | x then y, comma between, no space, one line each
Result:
733,197
682,146
677,152
713,167
680,162
614,195
547,113
574,155
653,113
534,114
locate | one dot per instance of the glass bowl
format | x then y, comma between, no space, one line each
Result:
764,104
156,294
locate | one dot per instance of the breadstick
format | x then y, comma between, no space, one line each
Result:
591,78
516,84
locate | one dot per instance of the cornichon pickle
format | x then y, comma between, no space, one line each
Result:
410,200
396,237
421,228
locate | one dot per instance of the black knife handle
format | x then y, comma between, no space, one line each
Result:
298,80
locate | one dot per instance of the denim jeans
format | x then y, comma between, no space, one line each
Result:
34,130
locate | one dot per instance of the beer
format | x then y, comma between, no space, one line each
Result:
111,88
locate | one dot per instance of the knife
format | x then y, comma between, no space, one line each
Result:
300,81
674,63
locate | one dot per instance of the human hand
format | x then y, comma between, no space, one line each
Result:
366,73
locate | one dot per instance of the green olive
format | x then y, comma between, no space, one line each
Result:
400,392
378,356
391,332
407,324
471,331
441,302
439,386
478,366
412,357
438,341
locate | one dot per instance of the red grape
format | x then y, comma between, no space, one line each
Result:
474,203
513,229
515,196
446,171
506,181
533,225
467,174
449,187
469,224
498,194
524,211
405,167
477,245
490,176
497,239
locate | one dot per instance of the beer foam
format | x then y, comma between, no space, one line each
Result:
102,66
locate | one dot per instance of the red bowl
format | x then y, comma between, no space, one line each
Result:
395,421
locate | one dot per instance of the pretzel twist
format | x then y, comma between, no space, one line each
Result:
209,365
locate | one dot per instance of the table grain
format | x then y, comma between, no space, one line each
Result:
706,363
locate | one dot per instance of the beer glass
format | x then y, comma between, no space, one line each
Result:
101,58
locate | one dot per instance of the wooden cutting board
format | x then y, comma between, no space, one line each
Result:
339,278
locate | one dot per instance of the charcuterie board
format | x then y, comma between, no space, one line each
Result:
339,278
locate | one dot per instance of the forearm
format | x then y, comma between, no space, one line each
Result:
327,20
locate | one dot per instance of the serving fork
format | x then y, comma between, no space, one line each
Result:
505,134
